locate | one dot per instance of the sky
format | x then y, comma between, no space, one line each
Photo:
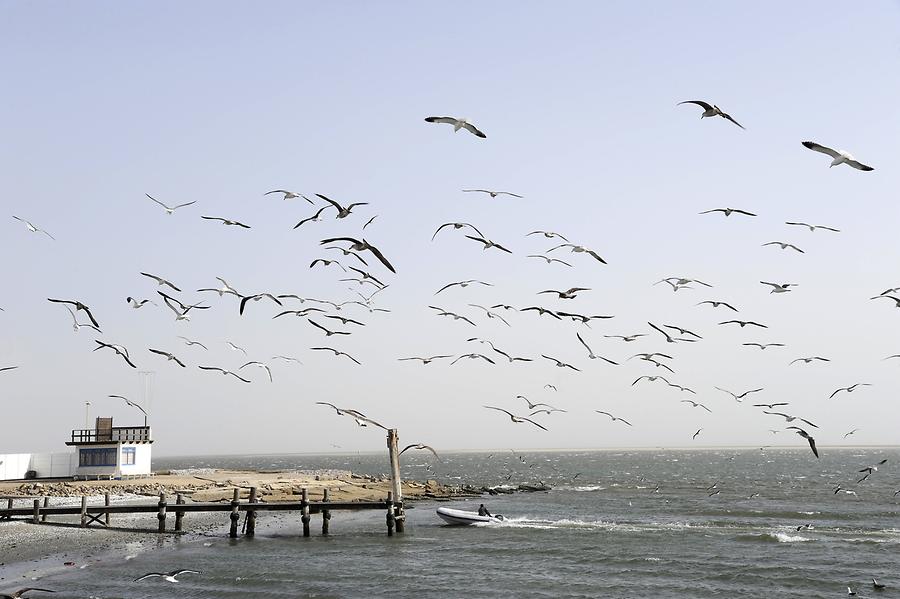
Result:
219,102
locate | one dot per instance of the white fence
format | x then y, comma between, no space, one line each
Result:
46,465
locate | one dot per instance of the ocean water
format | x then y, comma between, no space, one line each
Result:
616,524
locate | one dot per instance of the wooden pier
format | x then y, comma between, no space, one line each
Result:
41,507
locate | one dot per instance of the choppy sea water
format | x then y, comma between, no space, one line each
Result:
616,524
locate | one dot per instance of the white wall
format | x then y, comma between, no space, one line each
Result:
141,459
47,465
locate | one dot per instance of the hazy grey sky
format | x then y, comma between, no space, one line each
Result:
220,102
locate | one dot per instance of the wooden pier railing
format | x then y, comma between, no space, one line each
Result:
41,508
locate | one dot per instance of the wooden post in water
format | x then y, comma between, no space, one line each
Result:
106,503
304,511
235,514
83,511
46,504
179,515
36,517
162,512
396,490
390,514
326,514
251,514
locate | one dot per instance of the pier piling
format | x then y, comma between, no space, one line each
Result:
162,513
84,511
179,515
36,518
46,505
396,489
304,511
235,514
390,514
106,503
326,514
251,514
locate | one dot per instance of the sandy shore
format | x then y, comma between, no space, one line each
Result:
218,485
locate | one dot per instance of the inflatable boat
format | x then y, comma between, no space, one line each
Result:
460,517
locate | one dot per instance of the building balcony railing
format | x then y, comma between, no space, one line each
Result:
128,434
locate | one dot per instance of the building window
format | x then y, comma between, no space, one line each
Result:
97,457
128,455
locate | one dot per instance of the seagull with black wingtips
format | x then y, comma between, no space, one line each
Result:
33,228
838,156
342,212
517,419
492,193
359,246
457,124
224,372
169,356
808,437
716,304
728,211
613,418
336,353
315,218
579,249
711,110
289,195
788,418
170,210
226,221
591,353
78,306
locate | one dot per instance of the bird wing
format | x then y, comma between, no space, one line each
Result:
381,257
500,410
448,285
820,148
146,576
596,255
728,116
155,200
473,129
854,163
441,119
176,207
700,103
337,206
540,426
237,376
812,445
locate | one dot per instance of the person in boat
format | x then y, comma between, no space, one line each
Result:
483,511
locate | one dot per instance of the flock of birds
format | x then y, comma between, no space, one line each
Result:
362,264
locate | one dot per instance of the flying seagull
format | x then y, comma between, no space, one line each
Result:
808,437
260,365
695,434
336,353
739,398
779,287
850,433
167,576
315,218
809,359
710,110
579,249
591,353
137,304
225,288
668,337
119,349
894,298
224,372
190,342
457,124
170,357
560,364
77,325
328,333
359,246
716,304
763,345
256,297
490,314
567,294
784,246
626,338
420,446
6,368
696,404
548,235
442,312
583,318
488,243
790,419
78,306
472,357
456,226
169,210
812,228
492,193
516,419
838,156
342,212
850,389
744,323
161,281
728,211
613,418
226,221
427,360
548,259
289,195
771,406
369,222
33,228
541,311
234,347
463,284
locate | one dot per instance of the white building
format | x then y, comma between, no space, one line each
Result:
109,451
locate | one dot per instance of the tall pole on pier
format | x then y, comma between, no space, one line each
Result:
394,453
